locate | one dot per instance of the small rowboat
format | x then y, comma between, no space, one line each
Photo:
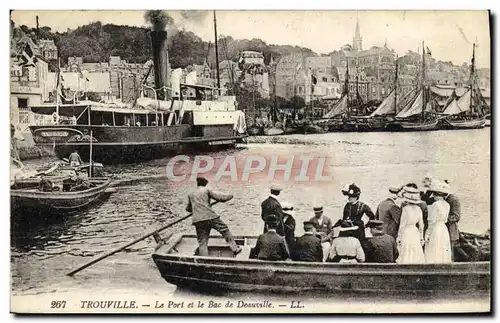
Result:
466,124
33,200
221,271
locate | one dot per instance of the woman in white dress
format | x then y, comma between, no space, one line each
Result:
410,237
437,237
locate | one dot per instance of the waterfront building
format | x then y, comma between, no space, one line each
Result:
28,81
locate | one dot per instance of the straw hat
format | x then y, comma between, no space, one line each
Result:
411,195
394,189
276,187
440,187
318,209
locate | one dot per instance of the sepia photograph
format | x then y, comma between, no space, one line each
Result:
250,161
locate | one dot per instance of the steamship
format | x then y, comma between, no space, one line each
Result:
193,119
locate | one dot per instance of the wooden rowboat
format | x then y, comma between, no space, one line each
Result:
466,124
177,264
33,200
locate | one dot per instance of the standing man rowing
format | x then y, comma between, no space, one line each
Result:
205,219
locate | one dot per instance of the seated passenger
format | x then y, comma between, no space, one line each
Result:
76,183
308,247
45,184
347,248
324,229
381,247
270,245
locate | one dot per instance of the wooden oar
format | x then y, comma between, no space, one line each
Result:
131,243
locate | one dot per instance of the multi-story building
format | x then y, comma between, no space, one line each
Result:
28,81
287,75
48,49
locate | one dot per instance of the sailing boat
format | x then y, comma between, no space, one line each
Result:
334,119
418,114
468,111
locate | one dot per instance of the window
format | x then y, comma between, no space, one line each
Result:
383,90
373,89
325,79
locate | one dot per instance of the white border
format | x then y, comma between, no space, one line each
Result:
186,4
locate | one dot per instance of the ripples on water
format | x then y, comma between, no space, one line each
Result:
42,255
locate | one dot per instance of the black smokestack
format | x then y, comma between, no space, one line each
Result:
160,60
159,21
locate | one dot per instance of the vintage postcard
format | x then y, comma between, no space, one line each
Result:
182,161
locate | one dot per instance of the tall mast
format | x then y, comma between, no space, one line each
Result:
472,76
216,54
346,90
423,80
396,86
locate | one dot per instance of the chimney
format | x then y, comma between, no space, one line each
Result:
160,60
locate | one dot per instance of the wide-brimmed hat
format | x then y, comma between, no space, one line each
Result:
351,190
411,195
440,187
347,226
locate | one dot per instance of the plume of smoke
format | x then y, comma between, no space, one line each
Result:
195,16
158,19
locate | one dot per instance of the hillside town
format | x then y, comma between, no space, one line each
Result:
311,84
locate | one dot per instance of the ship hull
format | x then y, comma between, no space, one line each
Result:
112,145
414,126
466,124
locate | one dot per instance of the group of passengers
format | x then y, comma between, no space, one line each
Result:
409,227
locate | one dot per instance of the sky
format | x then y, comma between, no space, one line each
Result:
448,34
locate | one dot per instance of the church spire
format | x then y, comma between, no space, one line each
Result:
357,42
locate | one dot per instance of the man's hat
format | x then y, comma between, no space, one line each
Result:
375,224
272,218
276,187
394,189
318,209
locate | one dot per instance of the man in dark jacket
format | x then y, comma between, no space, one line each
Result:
289,224
270,245
272,206
205,219
390,213
381,247
453,219
308,247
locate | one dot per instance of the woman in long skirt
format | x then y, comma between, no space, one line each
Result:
437,237
410,237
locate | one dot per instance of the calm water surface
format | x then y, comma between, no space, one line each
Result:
42,255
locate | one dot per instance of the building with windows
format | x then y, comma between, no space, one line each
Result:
28,82
48,49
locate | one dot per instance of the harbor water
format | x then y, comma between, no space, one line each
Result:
42,255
